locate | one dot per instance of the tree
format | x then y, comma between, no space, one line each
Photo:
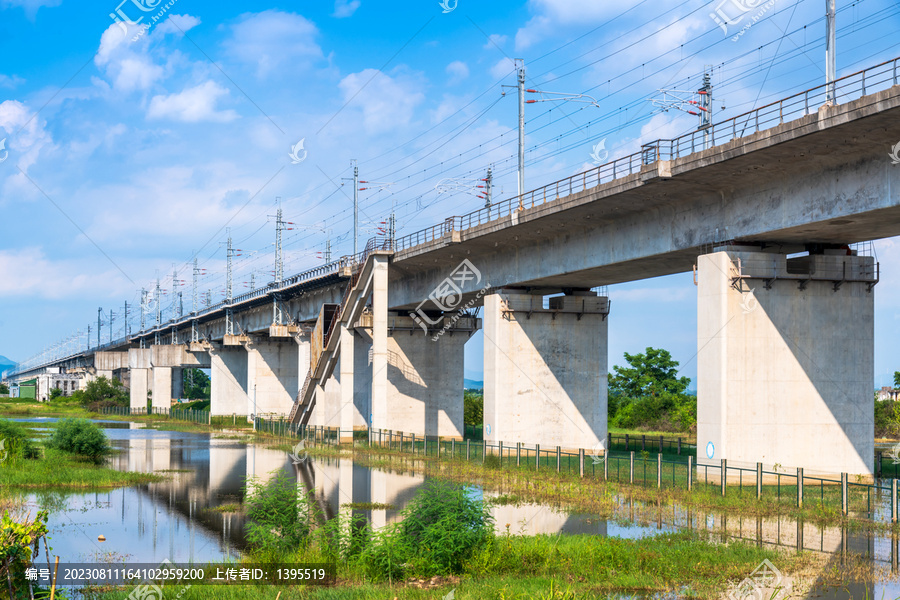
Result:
4,389
897,379
103,390
55,393
650,374
196,384
649,394
473,407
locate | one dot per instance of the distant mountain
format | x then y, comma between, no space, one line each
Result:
471,384
6,364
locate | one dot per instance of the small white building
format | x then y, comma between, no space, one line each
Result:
887,393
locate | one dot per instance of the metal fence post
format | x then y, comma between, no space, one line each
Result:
643,442
558,459
608,441
799,487
467,450
690,473
537,457
581,461
723,472
758,480
453,448
893,500
631,468
878,465
501,453
679,446
659,469
844,497
518,454
606,466
660,444
626,443
483,450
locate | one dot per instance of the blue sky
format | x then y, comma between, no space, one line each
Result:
132,149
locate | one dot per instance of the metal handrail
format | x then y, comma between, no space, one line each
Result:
748,123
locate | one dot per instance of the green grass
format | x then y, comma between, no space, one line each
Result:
559,567
60,470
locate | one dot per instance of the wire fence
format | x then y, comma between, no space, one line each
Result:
661,463
662,470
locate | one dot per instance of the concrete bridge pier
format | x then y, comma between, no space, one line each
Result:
545,369
272,369
139,365
228,381
344,401
786,360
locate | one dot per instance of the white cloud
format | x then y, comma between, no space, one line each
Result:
29,6
192,105
177,24
345,8
274,40
495,40
551,14
503,69
36,275
457,70
387,102
25,134
127,65
10,81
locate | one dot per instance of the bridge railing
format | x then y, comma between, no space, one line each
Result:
849,87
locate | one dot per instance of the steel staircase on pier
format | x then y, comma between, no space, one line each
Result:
324,358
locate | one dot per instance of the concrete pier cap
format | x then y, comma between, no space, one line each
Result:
785,360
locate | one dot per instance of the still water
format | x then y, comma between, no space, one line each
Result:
178,518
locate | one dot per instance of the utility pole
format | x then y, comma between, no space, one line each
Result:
99,319
521,74
488,188
158,311
89,338
830,59
229,317
279,228
706,107
356,183
355,208
126,318
112,319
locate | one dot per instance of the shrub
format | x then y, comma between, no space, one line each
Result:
102,392
442,527
16,441
473,408
278,516
4,389
80,436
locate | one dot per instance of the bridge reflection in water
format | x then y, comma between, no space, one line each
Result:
178,517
